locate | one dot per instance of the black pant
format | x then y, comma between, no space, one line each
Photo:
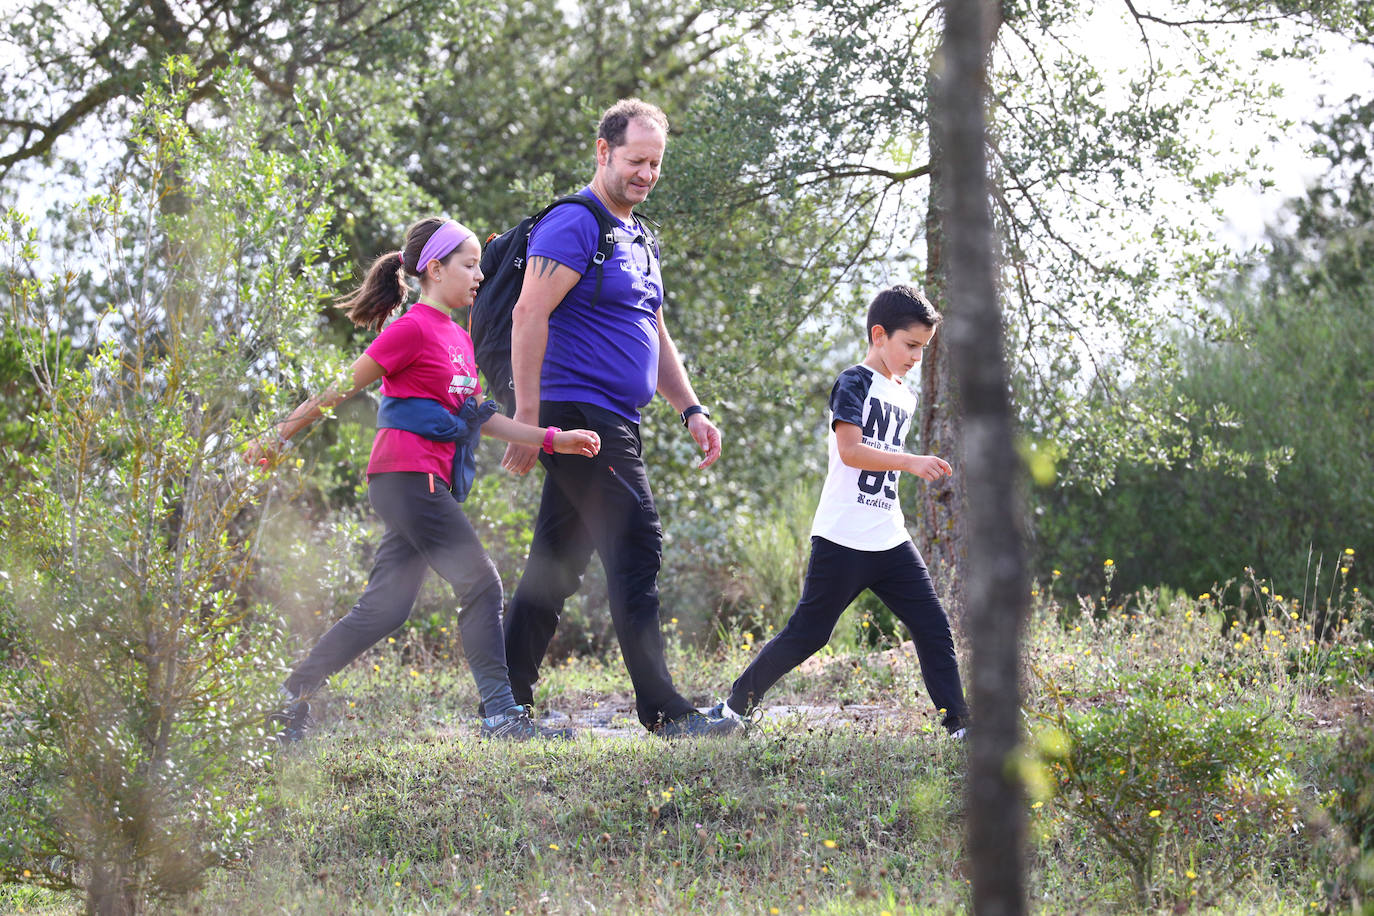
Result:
425,527
602,504
834,578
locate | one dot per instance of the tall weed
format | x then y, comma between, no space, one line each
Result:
771,550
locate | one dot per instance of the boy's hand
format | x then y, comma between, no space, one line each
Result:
929,467
582,442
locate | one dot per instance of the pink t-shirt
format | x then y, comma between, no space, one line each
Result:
425,354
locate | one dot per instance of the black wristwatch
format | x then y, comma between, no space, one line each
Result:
693,411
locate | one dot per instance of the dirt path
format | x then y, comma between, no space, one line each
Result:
616,721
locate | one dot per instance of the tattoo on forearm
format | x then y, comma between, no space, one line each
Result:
543,266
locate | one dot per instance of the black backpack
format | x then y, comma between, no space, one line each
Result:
503,270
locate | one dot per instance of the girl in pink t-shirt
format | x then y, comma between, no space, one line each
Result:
424,354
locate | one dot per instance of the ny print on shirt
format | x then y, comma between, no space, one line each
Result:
858,508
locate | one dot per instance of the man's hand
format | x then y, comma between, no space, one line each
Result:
706,436
520,458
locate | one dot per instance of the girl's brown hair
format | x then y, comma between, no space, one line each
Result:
384,289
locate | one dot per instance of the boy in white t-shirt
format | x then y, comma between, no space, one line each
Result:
859,538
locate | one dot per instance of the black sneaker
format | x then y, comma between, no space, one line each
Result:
292,722
696,725
747,722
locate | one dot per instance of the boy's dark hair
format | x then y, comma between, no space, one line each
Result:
384,288
617,118
899,307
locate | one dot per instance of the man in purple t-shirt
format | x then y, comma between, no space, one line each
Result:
589,359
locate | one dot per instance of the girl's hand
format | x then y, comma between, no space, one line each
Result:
258,453
930,467
265,453
582,442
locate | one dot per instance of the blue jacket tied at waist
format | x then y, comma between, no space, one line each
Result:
428,418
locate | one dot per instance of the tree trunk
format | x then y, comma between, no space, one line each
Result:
941,505
996,586
111,893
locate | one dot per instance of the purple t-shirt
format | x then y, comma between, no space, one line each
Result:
604,352
425,354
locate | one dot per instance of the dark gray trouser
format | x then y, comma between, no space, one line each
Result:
834,578
602,504
425,527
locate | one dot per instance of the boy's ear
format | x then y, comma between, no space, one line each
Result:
876,335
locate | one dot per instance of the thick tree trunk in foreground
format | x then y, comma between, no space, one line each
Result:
995,587
941,503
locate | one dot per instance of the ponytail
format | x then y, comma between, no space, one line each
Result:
385,289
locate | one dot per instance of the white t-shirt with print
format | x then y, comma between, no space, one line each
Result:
859,509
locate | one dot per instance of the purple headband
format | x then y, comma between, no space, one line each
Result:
446,238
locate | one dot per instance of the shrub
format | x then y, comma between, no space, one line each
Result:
1352,794
139,674
1350,808
1158,769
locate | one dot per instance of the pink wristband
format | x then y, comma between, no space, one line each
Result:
548,439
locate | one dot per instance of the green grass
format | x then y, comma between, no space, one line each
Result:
396,806
400,806
825,821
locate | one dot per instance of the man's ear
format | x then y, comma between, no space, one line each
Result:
603,151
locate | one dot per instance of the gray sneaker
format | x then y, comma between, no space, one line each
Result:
563,732
515,724
696,725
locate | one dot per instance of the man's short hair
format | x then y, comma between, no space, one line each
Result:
899,307
618,117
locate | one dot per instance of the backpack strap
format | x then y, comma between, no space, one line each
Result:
605,235
643,223
605,229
